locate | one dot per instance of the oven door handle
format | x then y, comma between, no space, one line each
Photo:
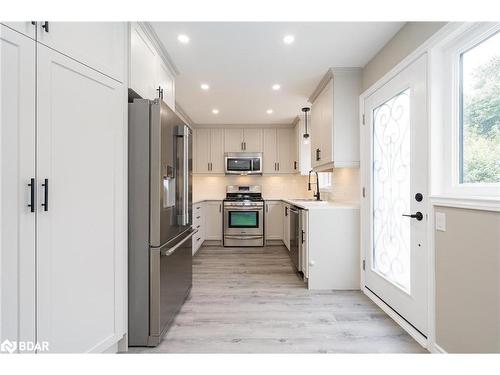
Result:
243,237
247,208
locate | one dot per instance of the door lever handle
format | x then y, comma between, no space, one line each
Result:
417,215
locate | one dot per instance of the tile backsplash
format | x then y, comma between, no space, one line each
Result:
345,186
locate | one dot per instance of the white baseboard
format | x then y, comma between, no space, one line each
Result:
421,339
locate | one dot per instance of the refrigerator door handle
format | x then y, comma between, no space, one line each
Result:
172,250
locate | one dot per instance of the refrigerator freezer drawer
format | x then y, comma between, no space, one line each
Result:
171,280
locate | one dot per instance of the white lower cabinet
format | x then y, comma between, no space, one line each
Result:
273,220
27,28
79,194
332,248
213,220
199,225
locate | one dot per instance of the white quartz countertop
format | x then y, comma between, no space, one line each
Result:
307,205
321,205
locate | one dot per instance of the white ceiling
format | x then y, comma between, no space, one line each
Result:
241,61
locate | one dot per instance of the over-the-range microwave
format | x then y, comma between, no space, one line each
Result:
243,163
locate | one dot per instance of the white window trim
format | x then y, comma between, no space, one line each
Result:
449,67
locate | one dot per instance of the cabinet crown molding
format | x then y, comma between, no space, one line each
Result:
329,75
151,33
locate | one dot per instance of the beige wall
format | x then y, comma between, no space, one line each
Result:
411,36
468,281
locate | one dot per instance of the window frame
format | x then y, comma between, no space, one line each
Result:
452,114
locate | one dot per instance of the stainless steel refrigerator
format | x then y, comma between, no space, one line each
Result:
159,219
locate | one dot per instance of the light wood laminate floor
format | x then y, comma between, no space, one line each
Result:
249,300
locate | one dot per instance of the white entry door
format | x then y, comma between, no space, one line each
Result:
396,193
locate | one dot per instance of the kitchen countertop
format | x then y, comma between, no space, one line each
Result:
306,205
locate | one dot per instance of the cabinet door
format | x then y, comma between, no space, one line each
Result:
274,220
286,225
201,151
17,158
217,150
26,28
166,81
252,140
285,150
81,234
233,140
143,60
316,125
269,162
213,220
99,45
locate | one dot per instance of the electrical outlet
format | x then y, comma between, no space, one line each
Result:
440,220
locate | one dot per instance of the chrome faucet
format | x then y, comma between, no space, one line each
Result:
315,195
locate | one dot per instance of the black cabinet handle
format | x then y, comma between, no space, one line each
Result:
45,203
318,154
32,195
160,92
45,26
416,215
295,165
286,210
303,233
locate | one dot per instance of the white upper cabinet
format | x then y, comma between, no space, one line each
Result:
17,157
303,150
243,140
149,75
166,83
100,45
233,140
279,150
27,28
143,58
269,163
208,151
334,120
286,150
252,140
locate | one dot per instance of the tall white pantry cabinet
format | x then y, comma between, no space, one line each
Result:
63,184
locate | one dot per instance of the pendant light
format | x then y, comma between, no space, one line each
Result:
306,134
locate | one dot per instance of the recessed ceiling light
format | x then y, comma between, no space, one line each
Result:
276,87
184,39
204,86
288,39
215,111
269,111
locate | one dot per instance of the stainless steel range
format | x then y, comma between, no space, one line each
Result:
243,216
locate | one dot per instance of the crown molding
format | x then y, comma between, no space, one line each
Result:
151,33
330,73
296,120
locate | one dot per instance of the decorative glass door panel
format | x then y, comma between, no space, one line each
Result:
391,190
394,174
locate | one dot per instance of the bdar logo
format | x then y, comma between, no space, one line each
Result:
8,346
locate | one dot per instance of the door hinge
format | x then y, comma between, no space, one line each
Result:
363,264
364,192
363,118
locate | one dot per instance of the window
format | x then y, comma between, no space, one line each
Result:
325,180
479,113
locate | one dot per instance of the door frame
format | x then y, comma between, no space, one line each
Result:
425,49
